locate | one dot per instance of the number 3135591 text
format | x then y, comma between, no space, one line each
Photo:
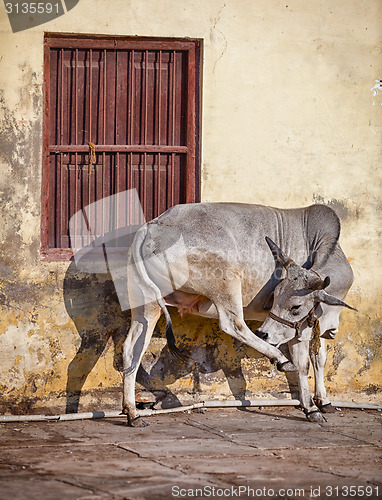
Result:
32,8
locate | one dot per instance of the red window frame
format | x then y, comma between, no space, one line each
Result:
188,151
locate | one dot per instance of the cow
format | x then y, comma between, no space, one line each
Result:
237,262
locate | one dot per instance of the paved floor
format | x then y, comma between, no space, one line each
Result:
225,453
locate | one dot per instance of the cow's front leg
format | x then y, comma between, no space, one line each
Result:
234,325
143,321
299,352
320,397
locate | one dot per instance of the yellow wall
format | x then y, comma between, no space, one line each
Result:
288,119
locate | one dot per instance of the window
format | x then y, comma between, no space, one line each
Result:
136,101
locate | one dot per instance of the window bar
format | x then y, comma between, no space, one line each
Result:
104,98
127,185
190,129
74,243
87,224
90,94
103,189
90,167
103,167
88,178
173,99
76,101
157,98
158,185
115,97
126,188
145,62
60,216
129,102
130,219
111,175
158,116
144,185
62,97
160,94
55,202
172,178
81,199
105,192
104,102
116,189
132,56
95,208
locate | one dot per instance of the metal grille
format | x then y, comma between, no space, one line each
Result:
136,101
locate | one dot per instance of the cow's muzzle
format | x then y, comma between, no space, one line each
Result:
265,336
261,335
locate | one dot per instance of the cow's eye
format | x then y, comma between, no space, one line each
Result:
295,309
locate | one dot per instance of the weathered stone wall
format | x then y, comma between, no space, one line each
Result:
288,119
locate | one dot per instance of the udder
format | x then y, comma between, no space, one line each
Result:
187,302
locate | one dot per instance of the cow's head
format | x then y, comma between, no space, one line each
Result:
294,301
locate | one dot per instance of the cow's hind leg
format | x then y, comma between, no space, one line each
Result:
320,397
299,352
143,321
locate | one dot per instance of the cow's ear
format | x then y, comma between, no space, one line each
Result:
320,284
322,296
278,254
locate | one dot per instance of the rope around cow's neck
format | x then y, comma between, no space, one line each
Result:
313,323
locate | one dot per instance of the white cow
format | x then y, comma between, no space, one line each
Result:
213,259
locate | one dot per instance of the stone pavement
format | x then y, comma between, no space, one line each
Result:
217,453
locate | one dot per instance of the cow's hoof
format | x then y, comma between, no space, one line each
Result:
328,408
136,422
287,366
315,416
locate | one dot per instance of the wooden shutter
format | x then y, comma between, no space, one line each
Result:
136,100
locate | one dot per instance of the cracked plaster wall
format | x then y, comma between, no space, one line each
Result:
288,118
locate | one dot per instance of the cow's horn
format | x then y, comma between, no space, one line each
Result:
320,284
278,254
322,296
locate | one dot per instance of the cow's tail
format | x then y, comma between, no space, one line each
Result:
142,271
